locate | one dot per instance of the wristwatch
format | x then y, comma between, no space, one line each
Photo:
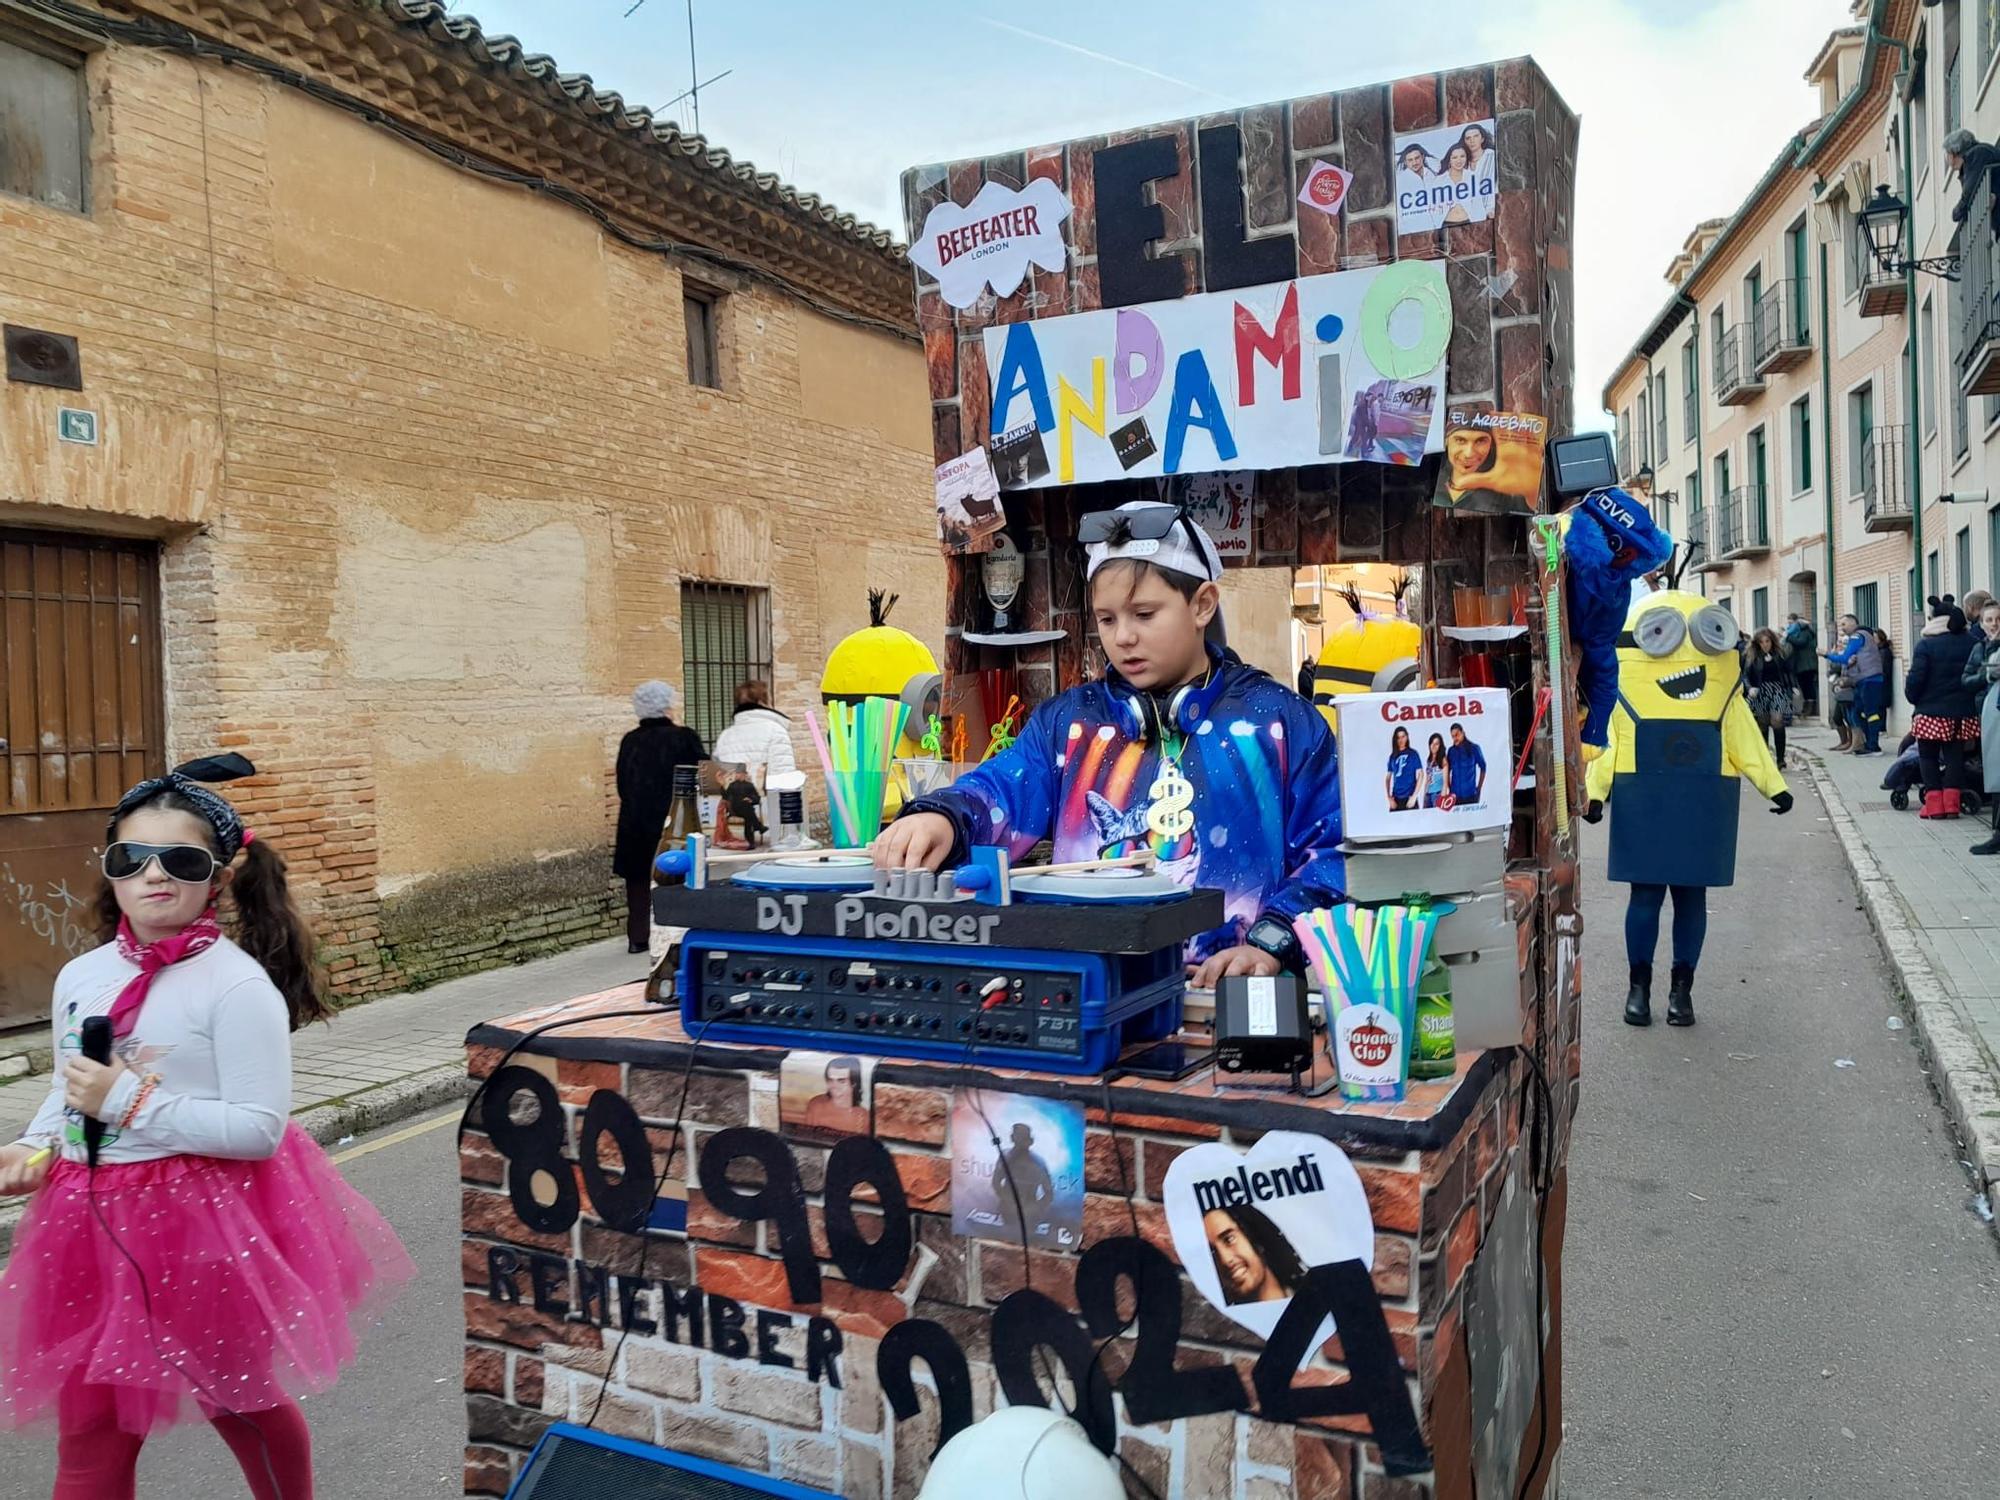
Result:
1276,938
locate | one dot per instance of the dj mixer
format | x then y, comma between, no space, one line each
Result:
803,951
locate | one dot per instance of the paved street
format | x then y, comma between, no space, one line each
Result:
1776,1288
1952,900
395,1426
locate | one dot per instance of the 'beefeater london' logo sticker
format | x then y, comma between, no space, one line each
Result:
992,240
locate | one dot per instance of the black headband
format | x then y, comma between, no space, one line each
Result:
186,781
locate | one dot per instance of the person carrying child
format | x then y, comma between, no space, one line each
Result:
1226,775
204,1259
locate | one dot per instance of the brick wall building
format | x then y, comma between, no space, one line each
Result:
415,466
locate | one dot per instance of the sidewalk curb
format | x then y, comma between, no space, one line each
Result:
352,1114
1960,1072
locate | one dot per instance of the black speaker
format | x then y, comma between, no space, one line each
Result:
575,1463
1262,1025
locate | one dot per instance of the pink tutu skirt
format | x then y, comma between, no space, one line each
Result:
258,1274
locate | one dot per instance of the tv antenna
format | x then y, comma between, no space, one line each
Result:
697,82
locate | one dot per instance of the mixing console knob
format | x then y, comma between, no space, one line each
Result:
963,987
1062,997
836,1013
933,985
931,1024
837,978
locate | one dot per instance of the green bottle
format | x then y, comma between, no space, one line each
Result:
1434,1055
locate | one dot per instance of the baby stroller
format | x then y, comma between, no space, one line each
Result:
1905,773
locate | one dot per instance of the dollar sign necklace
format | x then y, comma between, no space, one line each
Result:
1170,799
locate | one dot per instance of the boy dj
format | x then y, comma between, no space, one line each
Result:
1226,775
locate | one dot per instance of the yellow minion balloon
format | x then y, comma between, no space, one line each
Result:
1370,654
1681,736
883,661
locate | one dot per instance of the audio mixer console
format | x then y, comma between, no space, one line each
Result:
1056,986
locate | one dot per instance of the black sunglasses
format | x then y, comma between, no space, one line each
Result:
1148,523
188,863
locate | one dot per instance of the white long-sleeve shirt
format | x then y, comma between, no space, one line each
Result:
213,1027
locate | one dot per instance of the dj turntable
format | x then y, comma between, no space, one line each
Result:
823,950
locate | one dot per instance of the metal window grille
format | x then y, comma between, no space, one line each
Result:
80,685
704,368
725,640
1865,607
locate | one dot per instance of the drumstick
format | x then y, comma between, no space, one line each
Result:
1079,866
803,857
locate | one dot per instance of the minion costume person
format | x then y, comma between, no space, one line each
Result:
1681,737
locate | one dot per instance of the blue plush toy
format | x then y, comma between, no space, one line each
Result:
1617,544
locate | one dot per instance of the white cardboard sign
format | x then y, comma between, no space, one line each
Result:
1416,764
992,240
1248,1226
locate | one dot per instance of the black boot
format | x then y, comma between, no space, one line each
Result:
1992,844
1680,996
1639,1000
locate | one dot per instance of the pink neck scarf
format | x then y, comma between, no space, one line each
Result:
198,936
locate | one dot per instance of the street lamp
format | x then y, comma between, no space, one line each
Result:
1882,221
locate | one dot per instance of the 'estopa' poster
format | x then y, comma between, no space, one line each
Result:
1017,1169
1445,176
1421,763
1249,1226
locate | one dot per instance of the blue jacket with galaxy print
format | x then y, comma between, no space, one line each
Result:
1260,766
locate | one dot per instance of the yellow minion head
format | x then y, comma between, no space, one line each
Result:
1370,654
1677,657
882,661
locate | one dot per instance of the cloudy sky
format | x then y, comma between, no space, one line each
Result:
1683,105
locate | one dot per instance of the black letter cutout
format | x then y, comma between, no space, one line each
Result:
823,1341
629,1315
876,1265
1230,258
503,1266
531,1149
1028,1319
725,1326
1375,1383
780,1199
916,1339
626,1204
1154,1390
768,1352
1127,223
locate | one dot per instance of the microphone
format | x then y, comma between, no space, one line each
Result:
96,1047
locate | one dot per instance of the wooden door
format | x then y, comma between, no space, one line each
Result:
81,719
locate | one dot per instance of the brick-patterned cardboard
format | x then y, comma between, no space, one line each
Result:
1431,1177
1509,277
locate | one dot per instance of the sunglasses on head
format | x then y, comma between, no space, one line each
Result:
190,864
1149,523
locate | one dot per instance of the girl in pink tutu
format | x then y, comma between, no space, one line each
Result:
212,1263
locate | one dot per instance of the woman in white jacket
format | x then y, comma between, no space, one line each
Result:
759,738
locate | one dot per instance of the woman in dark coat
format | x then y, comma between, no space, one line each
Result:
647,758
1944,710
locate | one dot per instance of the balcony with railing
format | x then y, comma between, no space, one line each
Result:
1885,498
1742,524
1975,298
1736,380
1781,329
1701,531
